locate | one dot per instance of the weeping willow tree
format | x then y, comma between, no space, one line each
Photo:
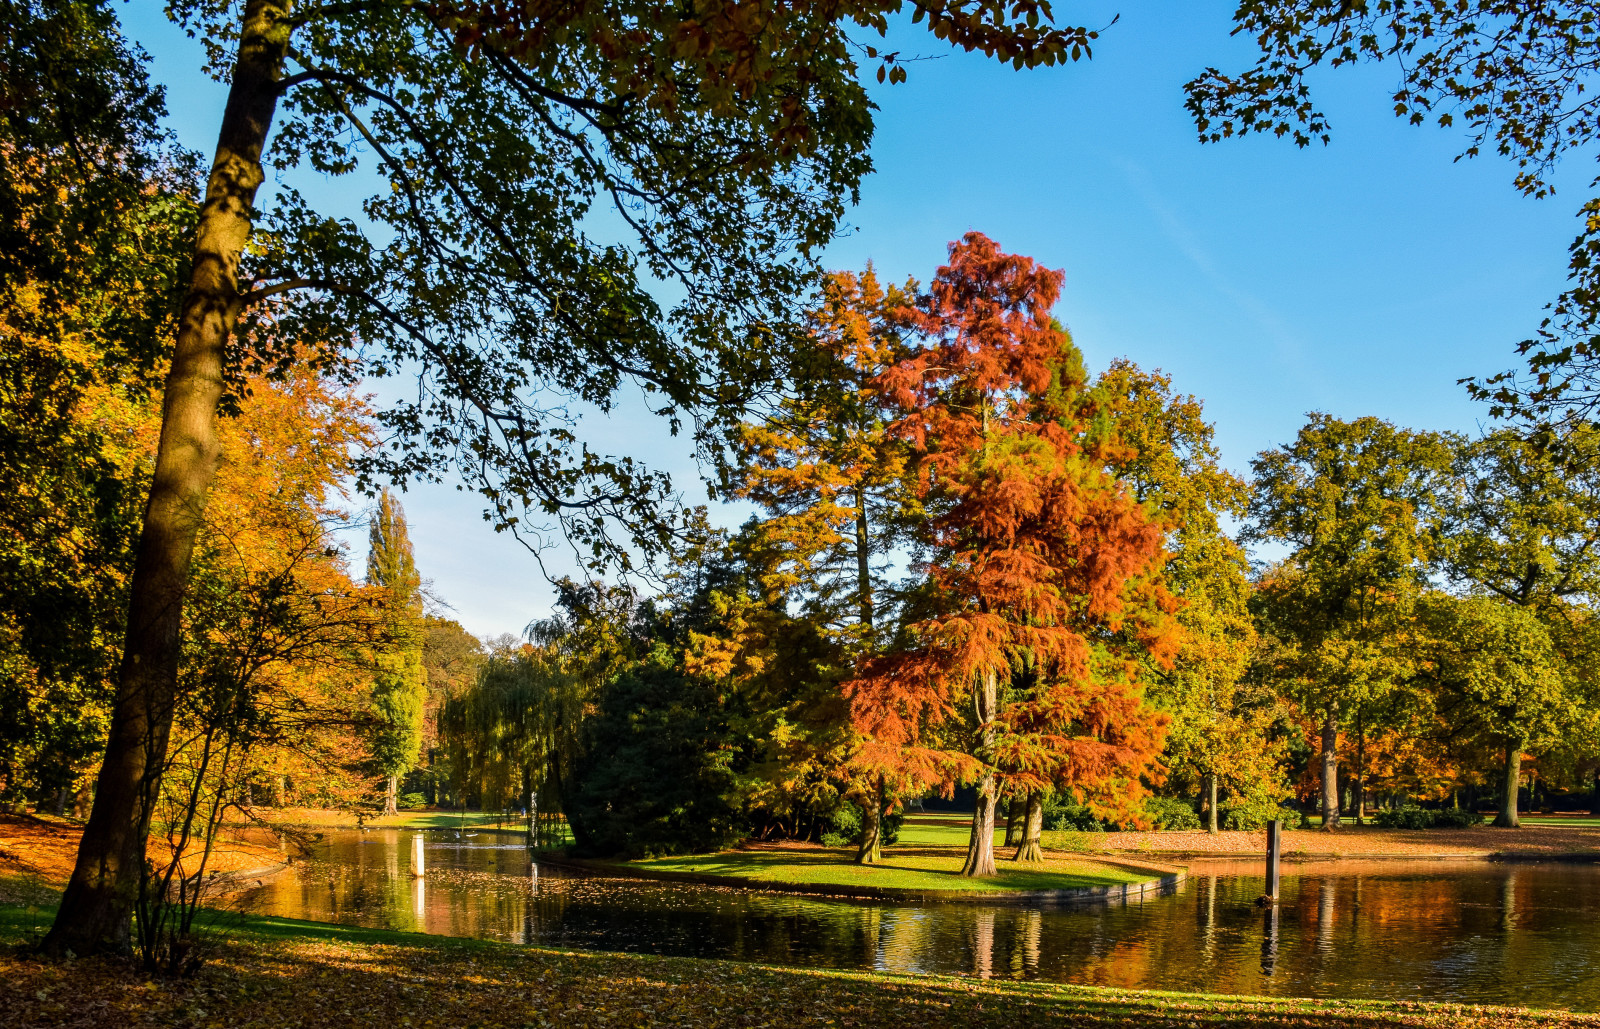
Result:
513,734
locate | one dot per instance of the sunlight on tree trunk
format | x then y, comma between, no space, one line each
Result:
1330,771
980,849
94,911
1030,850
871,850
1211,805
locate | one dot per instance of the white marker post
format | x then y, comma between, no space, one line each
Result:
417,871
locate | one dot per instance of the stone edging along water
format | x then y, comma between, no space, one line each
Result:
1165,882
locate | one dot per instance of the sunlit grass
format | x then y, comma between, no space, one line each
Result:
897,871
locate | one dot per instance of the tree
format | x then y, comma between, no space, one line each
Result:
833,482
95,207
1357,503
725,146
398,689
1517,76
1162,447
1507,676
1040,567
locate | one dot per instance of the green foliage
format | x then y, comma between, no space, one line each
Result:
1423,818
843,828
96,204
1171,814
1253,815
1066,816
411,801
399,690
657,769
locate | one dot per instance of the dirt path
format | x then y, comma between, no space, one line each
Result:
1530,841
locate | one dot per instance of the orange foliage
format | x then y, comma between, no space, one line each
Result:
1044,572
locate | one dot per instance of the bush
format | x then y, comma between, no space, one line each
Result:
843,828
1171,813
410,801
1072,818
1411,817
1249,815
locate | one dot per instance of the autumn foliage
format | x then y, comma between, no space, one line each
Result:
1042,572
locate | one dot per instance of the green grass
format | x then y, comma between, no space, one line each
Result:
898,871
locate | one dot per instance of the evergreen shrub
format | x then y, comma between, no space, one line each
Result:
1250,815
1411,817
1172,814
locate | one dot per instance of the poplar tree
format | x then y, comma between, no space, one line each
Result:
399,689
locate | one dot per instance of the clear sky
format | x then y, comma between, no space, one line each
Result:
1362,278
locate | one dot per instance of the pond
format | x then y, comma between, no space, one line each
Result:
1474,932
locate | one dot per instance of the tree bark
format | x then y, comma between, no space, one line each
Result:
391,796
1015,809
1359,788
1330,771
1507,816
980,848
1029,850
1211,805
1594,797
870,851
94,911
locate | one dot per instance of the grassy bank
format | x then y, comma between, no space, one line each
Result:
898,870
278,972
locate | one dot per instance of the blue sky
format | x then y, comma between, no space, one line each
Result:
1362,278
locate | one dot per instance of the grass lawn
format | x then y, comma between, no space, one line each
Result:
898,870
268,973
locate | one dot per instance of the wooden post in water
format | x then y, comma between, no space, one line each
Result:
1274,848
417,871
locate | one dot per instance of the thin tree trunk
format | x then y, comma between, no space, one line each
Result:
1029,850
1212,818
1330,772
391,795
1507,817
1360,786
980,848
95,908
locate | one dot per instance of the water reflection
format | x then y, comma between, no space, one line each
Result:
1479,933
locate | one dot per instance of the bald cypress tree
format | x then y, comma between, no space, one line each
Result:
398,686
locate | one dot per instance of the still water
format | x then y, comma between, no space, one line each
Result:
1480,933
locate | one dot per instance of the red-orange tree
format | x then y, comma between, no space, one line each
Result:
1042,571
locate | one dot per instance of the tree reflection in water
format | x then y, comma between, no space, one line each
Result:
1481,933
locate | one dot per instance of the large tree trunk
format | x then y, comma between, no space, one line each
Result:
1330,771
1029,850
870,852
1507,817
980,848
95,908
1211,805
391,795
